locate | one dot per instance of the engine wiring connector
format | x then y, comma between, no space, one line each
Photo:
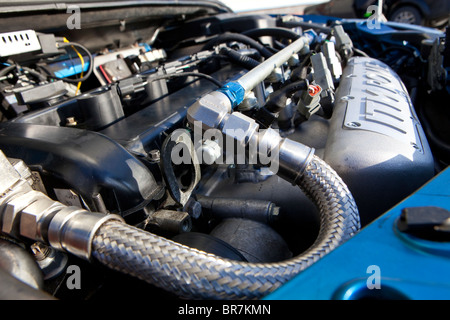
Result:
323,77
309,102
334,65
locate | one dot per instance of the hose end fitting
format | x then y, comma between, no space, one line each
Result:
26,213
234,91
72,230
294,157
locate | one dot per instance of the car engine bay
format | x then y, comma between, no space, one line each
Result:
184,151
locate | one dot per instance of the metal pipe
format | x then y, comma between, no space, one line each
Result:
237,90
26,213
262,71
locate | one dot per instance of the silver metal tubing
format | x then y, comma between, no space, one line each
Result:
262,71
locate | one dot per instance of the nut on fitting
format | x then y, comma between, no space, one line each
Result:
234,91
239,127
26,213
72,229
210,110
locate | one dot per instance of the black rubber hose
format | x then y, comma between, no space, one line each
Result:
35,73
307,25
276,32
228,36
243,60
186,74
277,99
252,209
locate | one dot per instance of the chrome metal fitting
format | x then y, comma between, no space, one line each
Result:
210,110
239,127
10,210
9,177
35,216
293,159
26,213
268,142
72,229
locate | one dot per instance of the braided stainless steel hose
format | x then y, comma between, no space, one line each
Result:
193,273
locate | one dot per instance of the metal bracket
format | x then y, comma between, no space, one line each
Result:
179,141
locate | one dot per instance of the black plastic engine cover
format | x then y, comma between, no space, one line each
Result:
87,162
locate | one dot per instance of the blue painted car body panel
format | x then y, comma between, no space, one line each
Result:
409,267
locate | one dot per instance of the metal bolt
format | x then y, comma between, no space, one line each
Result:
274,213
353,124
51,261
155,155
210,151
40,251
70,122
194,208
